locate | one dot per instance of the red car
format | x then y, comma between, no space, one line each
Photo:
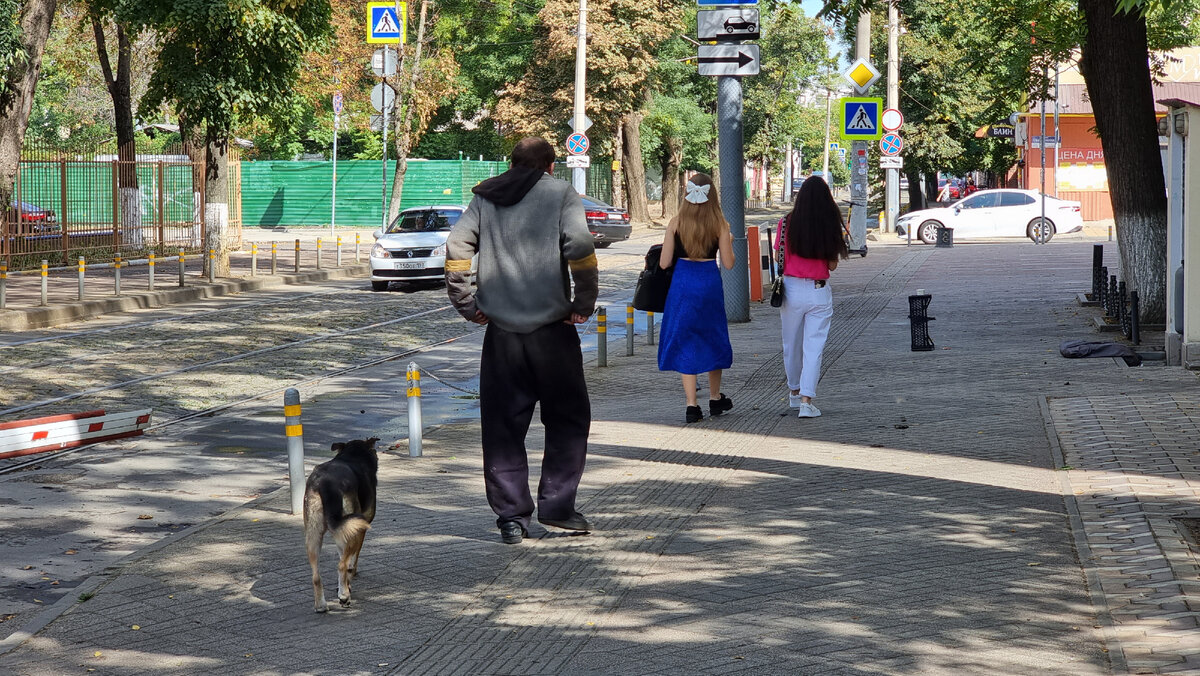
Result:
32,217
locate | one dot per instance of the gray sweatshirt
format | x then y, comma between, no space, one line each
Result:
525,252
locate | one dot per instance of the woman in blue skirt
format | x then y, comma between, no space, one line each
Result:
695,337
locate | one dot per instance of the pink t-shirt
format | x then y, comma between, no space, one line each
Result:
797,266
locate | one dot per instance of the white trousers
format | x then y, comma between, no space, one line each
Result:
806,314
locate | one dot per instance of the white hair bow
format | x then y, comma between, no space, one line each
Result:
697,194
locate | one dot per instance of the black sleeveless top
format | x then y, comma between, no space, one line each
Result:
681,252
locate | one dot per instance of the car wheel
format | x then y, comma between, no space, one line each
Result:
379,286
729,29
751,28
1038,232
603,245
927,231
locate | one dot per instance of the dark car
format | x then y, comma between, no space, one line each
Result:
607,223
732,25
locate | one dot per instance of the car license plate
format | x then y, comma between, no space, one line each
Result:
409,265
614,217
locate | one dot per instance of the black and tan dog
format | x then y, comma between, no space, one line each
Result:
340,498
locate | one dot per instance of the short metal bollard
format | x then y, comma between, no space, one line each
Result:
628,330
357,239
254,259
182,267
602,338
649,328
918,317
45,279
212,266
82,265
297,255
1097,267
117,275
295,446
414,411
339,251
274,258
1135,329
150,267
1110,233
319,266
3,285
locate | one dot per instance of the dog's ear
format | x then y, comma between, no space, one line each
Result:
371,442
337,448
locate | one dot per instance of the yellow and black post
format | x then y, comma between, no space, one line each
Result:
414,411
182,267
274,258
3,285
649,328
628,330
602,338
117,275
357,241
254,259
297,255
339,251
82,266
150,267
45,279
319,266
295,446
212,266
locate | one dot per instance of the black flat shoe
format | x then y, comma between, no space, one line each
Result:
573,522
719,406
693,414
511,532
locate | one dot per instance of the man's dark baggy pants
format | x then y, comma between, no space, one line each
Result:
518,370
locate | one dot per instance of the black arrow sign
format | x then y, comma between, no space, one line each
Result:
741,59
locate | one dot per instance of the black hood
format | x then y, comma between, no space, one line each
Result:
510,187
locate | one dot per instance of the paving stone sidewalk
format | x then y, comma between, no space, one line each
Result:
925,524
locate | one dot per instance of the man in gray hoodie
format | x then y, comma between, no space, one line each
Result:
530,233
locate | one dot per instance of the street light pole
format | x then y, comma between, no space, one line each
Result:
579,175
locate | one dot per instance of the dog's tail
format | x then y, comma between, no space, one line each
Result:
345,527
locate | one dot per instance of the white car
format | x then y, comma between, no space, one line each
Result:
414,246
995,213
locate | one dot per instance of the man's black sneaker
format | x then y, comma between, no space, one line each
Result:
512,533
719,406
693,414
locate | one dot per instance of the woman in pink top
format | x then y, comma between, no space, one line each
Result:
812,242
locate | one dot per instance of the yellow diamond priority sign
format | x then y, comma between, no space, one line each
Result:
862,75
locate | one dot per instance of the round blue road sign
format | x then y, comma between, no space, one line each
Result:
891,144
578,144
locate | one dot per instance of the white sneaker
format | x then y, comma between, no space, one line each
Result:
794,400
807,410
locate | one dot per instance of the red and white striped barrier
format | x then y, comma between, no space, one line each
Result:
56,432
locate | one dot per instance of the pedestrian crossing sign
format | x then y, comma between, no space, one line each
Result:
860,118
383,25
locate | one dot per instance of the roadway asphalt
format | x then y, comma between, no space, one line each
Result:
987,507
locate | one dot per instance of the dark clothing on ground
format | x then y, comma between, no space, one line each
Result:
517,371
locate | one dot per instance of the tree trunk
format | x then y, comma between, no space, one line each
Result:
216,204
16,92
404,129
118,90
635,170
1115,67
916,199
672,158
931,188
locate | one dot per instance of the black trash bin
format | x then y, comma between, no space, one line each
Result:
945,236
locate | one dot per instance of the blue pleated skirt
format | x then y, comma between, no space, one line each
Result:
695,334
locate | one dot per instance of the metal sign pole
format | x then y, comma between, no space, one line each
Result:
1042,223
579,174
733,195
333,188
383,181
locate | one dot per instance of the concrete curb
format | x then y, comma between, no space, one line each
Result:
56,315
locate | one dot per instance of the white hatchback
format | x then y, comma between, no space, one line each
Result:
995,213
414,246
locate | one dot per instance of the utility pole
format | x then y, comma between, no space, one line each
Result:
828,121
892,208
579,175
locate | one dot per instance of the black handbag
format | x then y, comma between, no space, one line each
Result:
653,283
777,285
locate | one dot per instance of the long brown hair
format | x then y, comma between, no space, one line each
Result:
699,226
815,226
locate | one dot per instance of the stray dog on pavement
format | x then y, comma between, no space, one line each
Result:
340,498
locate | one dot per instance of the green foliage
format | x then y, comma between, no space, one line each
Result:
679,119
11,50
222,60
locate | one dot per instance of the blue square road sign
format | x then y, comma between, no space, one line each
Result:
860,118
